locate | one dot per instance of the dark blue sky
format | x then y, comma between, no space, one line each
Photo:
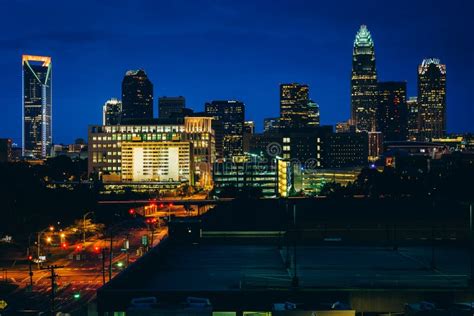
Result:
207,50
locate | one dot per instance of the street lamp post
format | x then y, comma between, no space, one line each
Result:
84,226
51,228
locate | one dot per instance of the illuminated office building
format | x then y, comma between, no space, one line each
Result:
198,130
375,145
37,106
249,130
392,110
105,146
249,127
229,116
137,96
304,147
105,142
344,150
312,181
432,99
363,82
313,114
165,161
345,127
272,177
294,109
112,112
413,120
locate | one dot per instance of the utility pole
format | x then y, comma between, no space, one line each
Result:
104,252
53,283
30,273
110,255
126,246
152,228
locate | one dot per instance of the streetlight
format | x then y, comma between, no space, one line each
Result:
51,228
84,226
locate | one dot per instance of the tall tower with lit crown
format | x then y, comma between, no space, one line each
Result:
432,99
137,96
363,82
36,106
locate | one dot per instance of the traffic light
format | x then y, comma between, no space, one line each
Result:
120,264
131,211
30,257
151,220
77,296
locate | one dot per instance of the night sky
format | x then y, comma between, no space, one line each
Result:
208,50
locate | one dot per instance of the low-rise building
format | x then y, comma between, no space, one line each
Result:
312,181
344,150
272,177
105,146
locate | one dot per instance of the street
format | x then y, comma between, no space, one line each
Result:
79,273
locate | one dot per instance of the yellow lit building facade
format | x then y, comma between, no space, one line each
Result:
105,146
157,162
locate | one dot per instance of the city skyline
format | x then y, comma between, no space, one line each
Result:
330,83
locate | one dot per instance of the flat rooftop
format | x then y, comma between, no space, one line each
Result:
216,267
253,274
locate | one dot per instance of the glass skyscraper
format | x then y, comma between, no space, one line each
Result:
294,109
432,99
392,110
112,112
363,82
137,96
413,121
171,107
229,117
37,106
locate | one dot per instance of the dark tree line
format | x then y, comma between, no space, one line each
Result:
448,183
28,203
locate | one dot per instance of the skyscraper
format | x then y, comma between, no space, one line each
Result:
413,121
137,96
392,110
112,112
37,106
313,114
294,110
230,115
432,99
171,107
249,127
363,82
